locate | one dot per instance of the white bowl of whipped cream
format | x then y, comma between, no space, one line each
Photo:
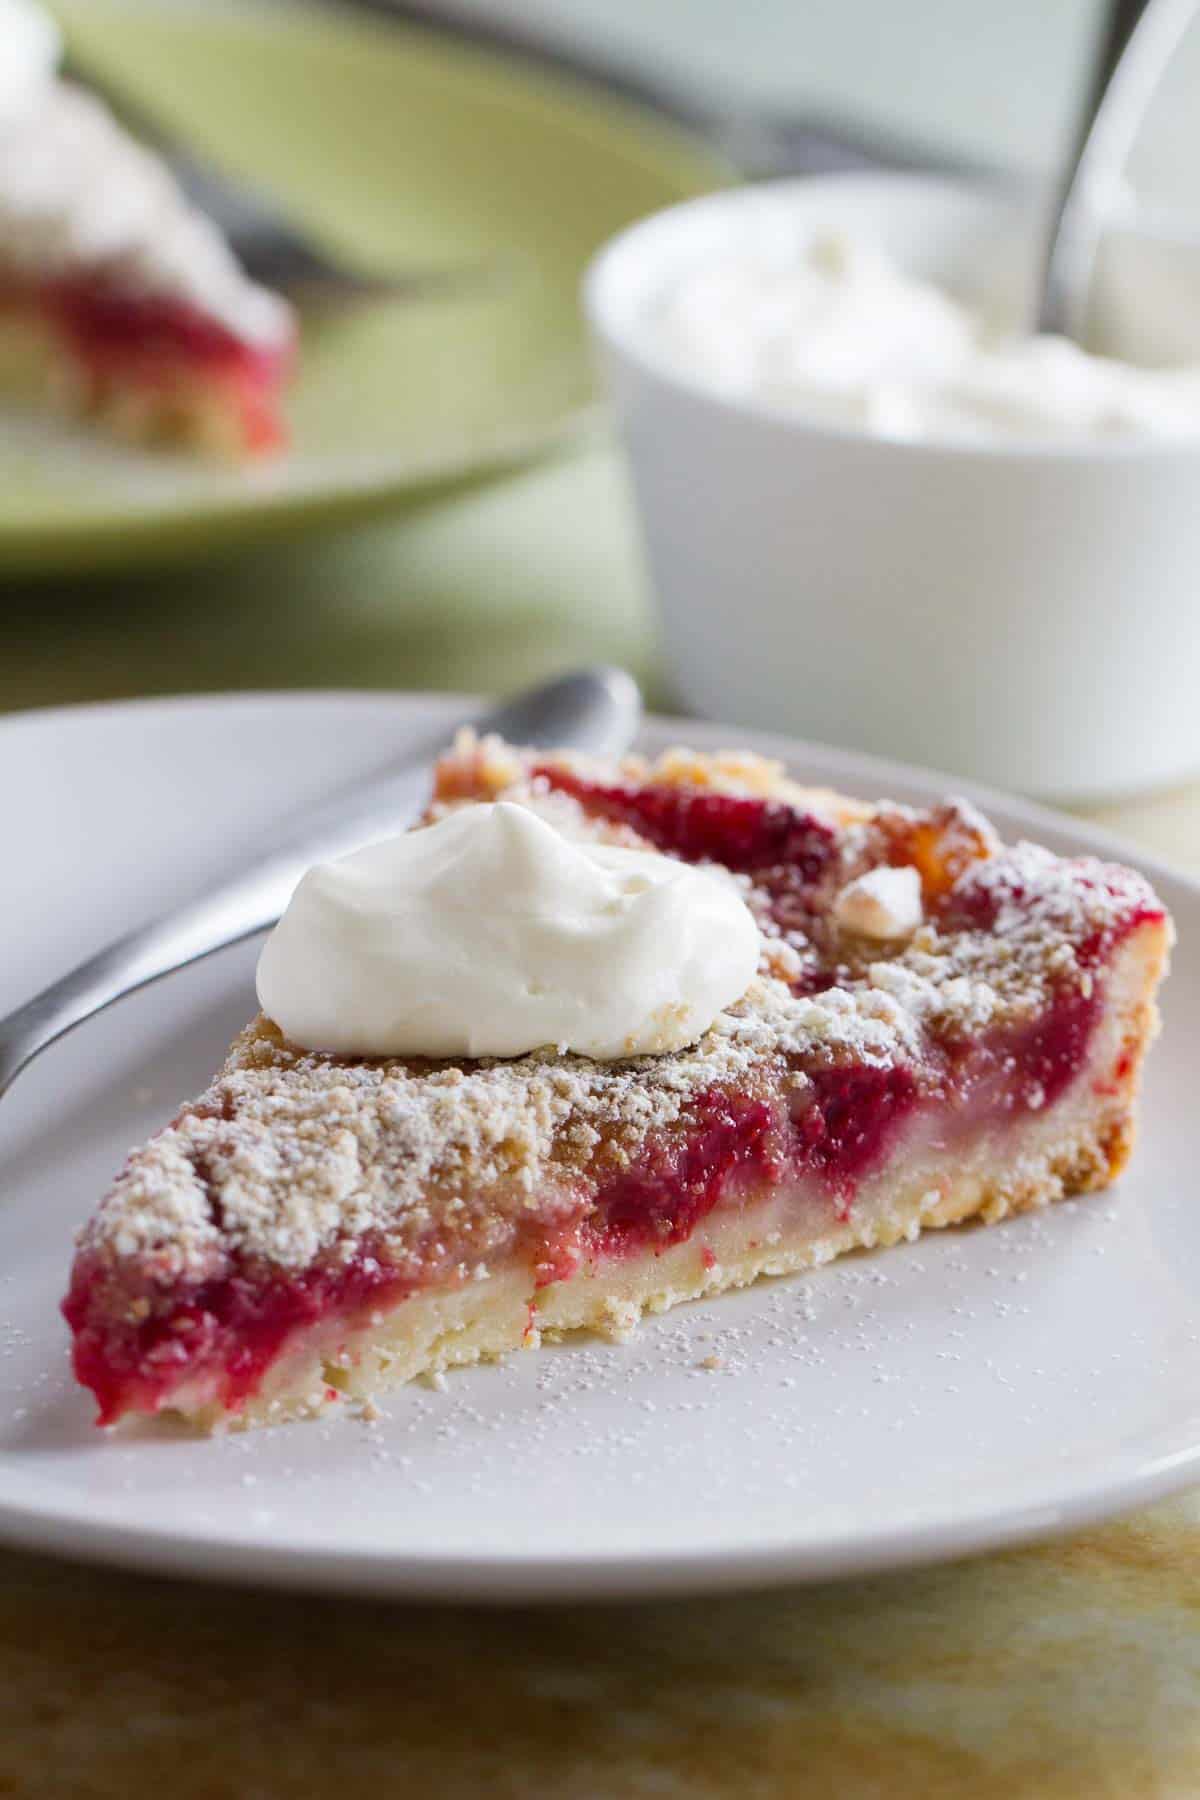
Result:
877,513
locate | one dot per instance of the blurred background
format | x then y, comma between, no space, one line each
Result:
992,84
525,559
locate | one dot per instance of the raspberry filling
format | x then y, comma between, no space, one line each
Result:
155,342
745,834
660,1201
233,1328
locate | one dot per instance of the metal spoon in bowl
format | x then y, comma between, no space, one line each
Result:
597,710
1141,39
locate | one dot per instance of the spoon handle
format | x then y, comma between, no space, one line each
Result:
1140,40
595,710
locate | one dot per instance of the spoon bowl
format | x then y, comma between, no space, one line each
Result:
1141,38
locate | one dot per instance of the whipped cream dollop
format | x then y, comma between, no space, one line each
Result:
490,933
833,329
77,192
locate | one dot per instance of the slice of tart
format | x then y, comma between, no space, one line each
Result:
119,301
940,1028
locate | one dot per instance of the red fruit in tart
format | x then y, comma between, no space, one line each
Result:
121,302
940,1028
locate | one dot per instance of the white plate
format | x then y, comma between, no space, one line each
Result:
976,1388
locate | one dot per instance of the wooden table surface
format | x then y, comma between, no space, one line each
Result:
1069,1669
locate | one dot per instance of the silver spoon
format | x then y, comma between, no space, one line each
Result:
596,710
1141,39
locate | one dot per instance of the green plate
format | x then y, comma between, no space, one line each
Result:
400,147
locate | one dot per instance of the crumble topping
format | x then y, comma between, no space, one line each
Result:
1044,917
487,768
293,1155
304,1151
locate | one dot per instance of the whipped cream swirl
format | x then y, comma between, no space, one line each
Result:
489,933
836,332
